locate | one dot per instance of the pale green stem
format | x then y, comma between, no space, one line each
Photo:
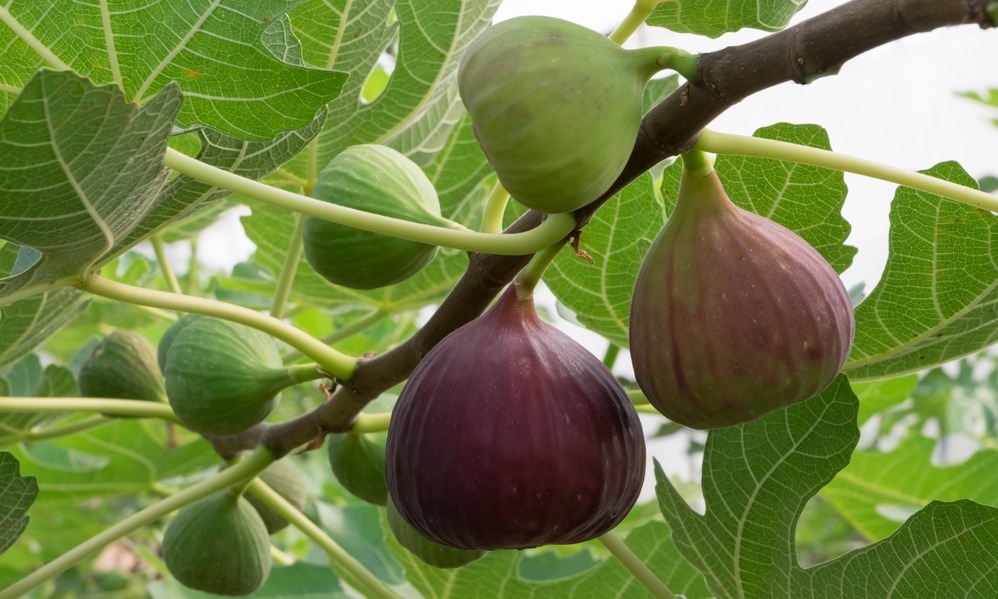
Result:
194,269
40,433
164,265
301,373
636,567
332,361
342,333
341,561
281,558
698,163
288,269
33,42
530,276
372,423
554,228
740,145
254,463
610,357
495,207
117,407
639,13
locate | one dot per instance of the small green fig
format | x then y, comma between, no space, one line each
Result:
379,180
167,338
218,545
733,315
555,106
434,554
122,366
359,464
286,481
223,377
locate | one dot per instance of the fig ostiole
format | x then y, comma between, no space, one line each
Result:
510,435
218,545
286,481
379,180
555,106
223,377
122,366
358,462
432,553
733,316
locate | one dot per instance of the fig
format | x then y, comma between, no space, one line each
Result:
218,545
733,315
379,180
555,106
434,554
286,480
122,366
359,464
223,377
167,338
511,435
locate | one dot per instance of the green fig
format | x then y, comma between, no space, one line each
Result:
379,180
122,366
555,106
359,464
218,545
167,338
286,480
431,552
223,377
733,315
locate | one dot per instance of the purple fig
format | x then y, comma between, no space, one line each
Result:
510,435
733,315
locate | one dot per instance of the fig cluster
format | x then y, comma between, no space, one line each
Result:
733,315
509,435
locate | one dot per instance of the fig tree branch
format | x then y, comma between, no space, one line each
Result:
802,53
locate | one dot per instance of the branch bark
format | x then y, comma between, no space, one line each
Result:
802,53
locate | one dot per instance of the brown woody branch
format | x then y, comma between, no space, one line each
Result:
802,53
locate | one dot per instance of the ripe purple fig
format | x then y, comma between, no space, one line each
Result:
510,435
733,315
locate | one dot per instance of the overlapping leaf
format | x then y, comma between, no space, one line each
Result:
27,378
214,49
26,324
938,297
17,493
716,17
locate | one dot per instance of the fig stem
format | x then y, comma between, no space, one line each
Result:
301,373
118,407
288,269
164,265
610,357
341,561
372,423
554,228
756,147
531,274
259,459
495,207
337,363
635,566
634,19
361,324
697,163
40,433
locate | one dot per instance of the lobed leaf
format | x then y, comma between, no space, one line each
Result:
17,493
715,17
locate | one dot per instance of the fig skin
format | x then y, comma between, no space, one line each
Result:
555,106
122,366
511,435
286,481
434,554
358,462
379,180
733,316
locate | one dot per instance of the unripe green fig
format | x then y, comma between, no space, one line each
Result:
122,366
555,106
379,180
434,554
218,545
733,315
509,435
358,462
223,377
286,481
167,338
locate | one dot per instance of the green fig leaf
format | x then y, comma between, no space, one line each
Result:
27,378
17,493
28,323
706,17
942,267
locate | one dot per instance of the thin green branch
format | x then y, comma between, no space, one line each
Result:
41,433
334,362
610,357
164,265
118,407
353,571
530,276
372,423
553,229
288,269
742,145
636,567
634,19
343,332
495,208
254,463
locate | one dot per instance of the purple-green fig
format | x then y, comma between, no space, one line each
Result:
434,554
122,366
555,106
733,315
358,462
286,481
379,180
218,545
509,435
